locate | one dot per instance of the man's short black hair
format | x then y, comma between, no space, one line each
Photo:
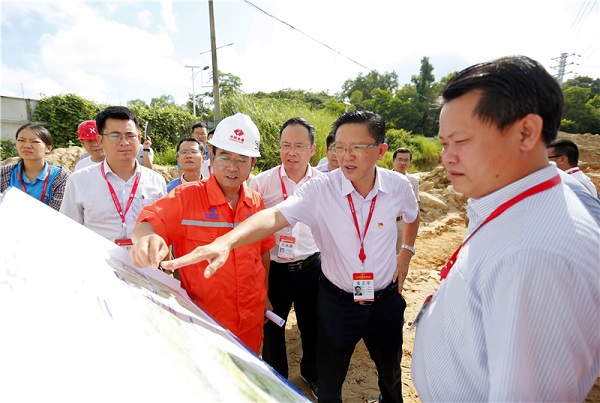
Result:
301,122
374,122
567,148
117,113
403,151
200,146
512,87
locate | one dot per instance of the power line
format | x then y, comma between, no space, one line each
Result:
308,36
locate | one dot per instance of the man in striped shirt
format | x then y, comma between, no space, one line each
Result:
516,315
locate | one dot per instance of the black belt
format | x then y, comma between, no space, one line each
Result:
348,296
301,264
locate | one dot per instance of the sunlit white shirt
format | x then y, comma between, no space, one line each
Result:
322,204
268,185
88,200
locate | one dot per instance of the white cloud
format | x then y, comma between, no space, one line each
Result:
119,51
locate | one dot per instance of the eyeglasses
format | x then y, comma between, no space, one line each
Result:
555,156
185,153
402,159
356,149
227,161
298,149
116,137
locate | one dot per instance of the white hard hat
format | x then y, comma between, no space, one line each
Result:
237,134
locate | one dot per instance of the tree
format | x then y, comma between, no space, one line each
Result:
584,82
61,114
580,111
229,84
163,101
366,84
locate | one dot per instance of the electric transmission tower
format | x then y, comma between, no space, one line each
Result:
562,65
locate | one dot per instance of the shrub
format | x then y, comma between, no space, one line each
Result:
7,149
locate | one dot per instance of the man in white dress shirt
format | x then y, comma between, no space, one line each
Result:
108,197
295,259
516,315
565,154
352,216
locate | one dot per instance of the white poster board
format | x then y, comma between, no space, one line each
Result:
80,323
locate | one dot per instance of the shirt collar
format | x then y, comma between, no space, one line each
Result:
41,177
574,169
310,172
107,168
216,196
348,188
479,209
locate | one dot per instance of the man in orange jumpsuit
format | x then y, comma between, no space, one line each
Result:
197,213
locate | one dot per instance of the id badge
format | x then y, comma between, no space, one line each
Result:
287,245
363,287
125,243
423,307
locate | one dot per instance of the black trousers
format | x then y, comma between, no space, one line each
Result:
342,323
299,288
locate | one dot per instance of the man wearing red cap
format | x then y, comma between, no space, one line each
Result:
87,133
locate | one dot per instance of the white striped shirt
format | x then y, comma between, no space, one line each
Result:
517,318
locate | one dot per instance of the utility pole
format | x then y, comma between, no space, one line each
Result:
215,68
193,87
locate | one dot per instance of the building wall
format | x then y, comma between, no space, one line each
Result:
14,113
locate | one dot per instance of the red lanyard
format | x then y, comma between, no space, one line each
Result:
283,189
574,171
499,210
116,199
20,177
361,255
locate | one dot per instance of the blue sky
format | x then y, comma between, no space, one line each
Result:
118,51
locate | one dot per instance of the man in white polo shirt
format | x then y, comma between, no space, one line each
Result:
295,259
352,215
109,196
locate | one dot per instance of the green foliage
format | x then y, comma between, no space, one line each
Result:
366,84
568,126
426,151
412,107
170,123
269,114
318,100
61,114
584,82
167,156
7,149
579,110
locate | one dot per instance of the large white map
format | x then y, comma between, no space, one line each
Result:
79,323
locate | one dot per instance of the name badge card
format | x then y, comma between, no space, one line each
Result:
125,243
287,245
363,286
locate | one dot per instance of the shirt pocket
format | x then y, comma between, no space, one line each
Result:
200,232
149,198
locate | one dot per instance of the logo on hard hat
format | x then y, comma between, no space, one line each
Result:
237,136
